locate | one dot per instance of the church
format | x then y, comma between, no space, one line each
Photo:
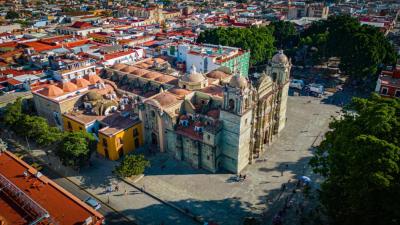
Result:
215,121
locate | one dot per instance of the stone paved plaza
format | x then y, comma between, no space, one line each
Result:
218,197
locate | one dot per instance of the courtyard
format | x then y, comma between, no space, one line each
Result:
220,197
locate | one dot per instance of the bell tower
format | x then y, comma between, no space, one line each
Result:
236,115
279,68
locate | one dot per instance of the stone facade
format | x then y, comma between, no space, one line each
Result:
217,121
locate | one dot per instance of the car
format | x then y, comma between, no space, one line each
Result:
93,203
298,84
316,90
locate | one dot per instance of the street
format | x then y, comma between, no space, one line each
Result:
112,217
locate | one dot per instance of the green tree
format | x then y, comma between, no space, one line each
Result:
360,160
259,40
362,48
285,34
11,15
75,148
132,165
13,113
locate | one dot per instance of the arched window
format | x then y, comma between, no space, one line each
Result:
274,76
231,104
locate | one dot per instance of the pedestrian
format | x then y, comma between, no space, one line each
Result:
287,166
240,176
244,177
116,188
283,187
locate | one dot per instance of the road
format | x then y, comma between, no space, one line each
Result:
112,217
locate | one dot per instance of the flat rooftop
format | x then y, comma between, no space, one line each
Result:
24,197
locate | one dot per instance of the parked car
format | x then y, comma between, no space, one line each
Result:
93,203
296,83
316,90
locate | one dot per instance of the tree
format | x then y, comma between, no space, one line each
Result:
13,113
132,165
362,48
360,160
259,40
75,148
12,15
285,34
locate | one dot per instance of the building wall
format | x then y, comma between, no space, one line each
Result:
72,125
49,109
114,145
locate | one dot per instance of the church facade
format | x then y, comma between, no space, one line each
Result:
215,121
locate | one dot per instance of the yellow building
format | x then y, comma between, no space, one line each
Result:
117,134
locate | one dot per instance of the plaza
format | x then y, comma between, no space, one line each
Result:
219,197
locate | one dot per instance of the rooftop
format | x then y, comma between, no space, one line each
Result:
39,193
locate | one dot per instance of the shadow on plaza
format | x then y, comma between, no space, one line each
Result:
227,211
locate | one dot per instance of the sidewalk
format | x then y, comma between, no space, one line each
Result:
129,200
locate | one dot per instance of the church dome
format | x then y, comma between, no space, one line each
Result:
194,76
68,86
53,91
238,81
93,96
93,79
81,83
118,66
280,58
216,74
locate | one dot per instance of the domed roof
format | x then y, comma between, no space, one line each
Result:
280,57
81,83
238,81
159,60
93,79
179,91
165,79
119,66
53,91
152,75
93,96
68,86
165,99
129,69
216,74
194,76
140,72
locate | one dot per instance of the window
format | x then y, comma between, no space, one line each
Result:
137,143
69,125
397,93
384,91
121,142
231,104
135,132
208,137
208,157
153,114
104,142
80,128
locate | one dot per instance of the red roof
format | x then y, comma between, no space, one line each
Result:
13,82
39,195
80,24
